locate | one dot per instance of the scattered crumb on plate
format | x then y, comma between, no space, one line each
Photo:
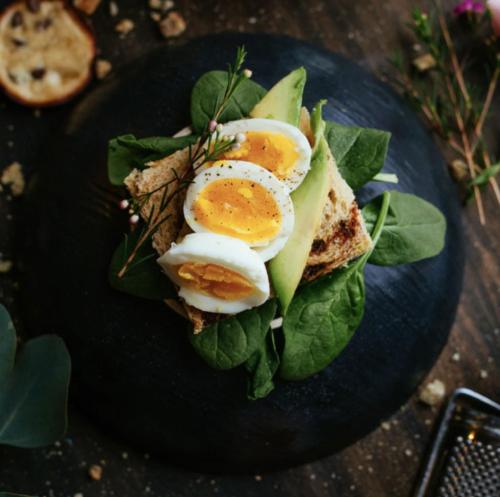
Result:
433,393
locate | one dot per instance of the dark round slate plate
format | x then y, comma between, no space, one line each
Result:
134,369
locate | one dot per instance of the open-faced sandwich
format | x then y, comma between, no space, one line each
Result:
257,236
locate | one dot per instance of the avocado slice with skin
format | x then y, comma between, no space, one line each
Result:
309,201
284,100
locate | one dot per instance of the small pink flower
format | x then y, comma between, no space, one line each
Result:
212,125
478,7
494,6
464,6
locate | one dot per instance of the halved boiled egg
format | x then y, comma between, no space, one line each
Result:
274,145
243,201
216,273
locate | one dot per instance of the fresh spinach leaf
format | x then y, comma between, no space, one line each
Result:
359,152
128,152
414,230
144,277
232,341
324,315
208,92
33,389
261,368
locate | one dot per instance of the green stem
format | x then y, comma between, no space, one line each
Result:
382,215
386,178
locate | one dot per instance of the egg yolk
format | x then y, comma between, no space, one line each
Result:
215,280
239,208
273,151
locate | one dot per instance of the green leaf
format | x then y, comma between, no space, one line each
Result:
359,152
414,230
484,177
208,93
261,368
324,315
232,341
7,345
127,152
34,390
321,320
144,278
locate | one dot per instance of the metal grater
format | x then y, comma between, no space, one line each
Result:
465,457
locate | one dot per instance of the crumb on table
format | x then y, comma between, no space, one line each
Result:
13,177
433,393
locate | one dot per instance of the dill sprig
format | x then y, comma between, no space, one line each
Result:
209,147
442,83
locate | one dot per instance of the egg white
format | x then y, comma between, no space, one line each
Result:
303,147
231,253
245,170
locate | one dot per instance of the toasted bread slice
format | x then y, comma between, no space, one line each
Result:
46,52
341,237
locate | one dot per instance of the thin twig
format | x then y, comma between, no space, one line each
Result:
492,180
478,129
469,158
457,70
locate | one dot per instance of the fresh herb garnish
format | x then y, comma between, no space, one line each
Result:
127,152
261,368
209,147
414,230
324,314
232,341
359,152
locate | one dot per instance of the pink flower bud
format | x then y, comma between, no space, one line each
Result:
134,219
124,204
212,125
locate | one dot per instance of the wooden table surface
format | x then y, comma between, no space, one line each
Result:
385,463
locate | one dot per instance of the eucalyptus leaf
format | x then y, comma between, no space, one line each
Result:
414,230
230,342
324,315
261,368
359,152
127,152
34,390
143,278
208,93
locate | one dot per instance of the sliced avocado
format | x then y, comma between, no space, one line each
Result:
284,100
309,201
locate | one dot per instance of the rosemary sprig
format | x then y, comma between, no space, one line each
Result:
442,85
209,147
